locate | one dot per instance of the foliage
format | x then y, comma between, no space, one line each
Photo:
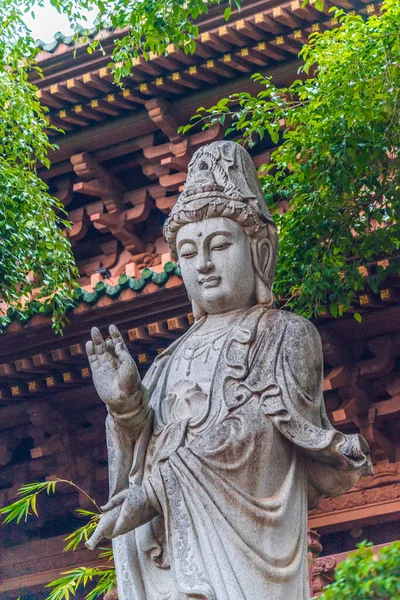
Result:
150,26
367,576
83,533
27,502
22,507
34,252
71,581
103,575
37,269
338,163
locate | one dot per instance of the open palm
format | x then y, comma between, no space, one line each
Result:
114,371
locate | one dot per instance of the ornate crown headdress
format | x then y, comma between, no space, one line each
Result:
222,181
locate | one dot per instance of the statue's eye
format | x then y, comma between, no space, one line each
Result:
203,166
220,246
188,254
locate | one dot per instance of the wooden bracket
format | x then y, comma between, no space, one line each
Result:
80,223
97,182
160,113
378,441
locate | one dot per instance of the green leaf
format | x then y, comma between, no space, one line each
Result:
332,161
27,502
366,575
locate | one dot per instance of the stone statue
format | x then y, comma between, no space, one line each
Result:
216,455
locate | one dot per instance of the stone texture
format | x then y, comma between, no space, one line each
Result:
216,456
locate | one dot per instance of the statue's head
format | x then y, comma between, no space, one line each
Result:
222,233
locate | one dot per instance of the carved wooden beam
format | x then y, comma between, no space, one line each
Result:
177,163
80,223
378,440
142,204
337,377
121,228
107,257
335,352
63,189
173,182
160,330
382,364
179,324
356,401
56,444
373,499
321,573
160,113
121,223
7,372
44,417
163,202
97,182
139,334
8,443
78,352
153,171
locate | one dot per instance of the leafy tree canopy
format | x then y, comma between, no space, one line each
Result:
366,575
338,163
34,252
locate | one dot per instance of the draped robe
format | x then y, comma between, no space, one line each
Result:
232,482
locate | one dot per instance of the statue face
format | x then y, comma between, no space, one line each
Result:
216,264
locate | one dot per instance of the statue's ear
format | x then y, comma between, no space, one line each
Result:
262,256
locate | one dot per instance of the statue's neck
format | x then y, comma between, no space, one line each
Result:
216,321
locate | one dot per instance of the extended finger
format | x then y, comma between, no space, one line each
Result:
90,352
115,501
98,341
116,335
109,344
104,528
119,344
97,536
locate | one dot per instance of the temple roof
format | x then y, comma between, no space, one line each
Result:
89,297
62,39
250,41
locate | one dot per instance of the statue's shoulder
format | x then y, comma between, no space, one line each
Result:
292,324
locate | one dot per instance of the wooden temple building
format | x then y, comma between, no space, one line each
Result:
118,171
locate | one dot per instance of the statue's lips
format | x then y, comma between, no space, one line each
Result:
208,282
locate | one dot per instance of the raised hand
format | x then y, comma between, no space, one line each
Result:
114,371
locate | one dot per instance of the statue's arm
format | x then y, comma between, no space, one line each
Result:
134,414
335,460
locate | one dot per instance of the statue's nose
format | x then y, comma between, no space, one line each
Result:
204,264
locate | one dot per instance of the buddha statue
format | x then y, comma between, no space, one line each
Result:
215,457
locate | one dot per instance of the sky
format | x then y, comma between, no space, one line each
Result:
48,21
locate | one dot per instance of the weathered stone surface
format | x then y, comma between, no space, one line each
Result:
215,457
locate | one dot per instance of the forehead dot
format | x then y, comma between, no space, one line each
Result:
199,234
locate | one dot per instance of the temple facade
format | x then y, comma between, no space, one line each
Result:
118,170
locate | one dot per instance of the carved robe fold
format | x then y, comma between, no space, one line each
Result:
228,468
